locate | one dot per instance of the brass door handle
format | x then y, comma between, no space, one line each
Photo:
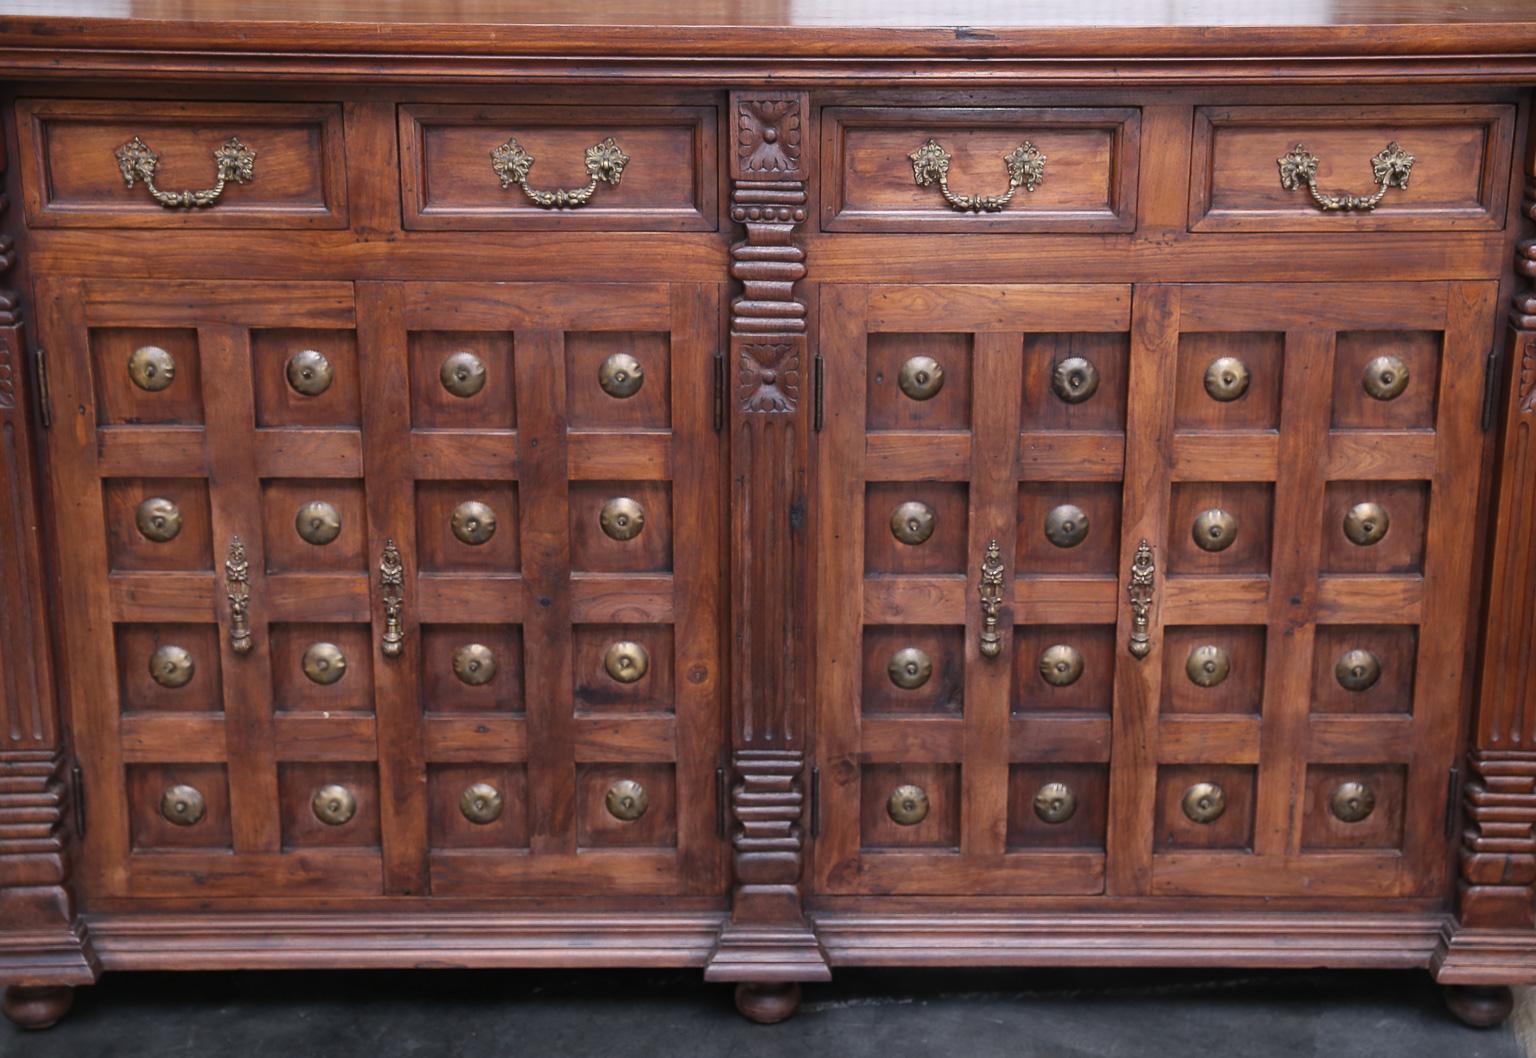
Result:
233,163
1025,164
1143,577
237,584
991,590
392,588
1390,168
605,163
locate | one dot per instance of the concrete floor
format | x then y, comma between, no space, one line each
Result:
672,1014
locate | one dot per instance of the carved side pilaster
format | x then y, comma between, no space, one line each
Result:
768,939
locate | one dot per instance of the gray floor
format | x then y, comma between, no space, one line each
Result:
652,1014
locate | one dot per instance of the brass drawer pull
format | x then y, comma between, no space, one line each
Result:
1390,168
237,583
1143,574
233,163
1026,168
991,591
605,162
392,588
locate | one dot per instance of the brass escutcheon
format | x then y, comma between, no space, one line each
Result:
1357,670
1351,802
912,522
1208,665
1061,665
1214,530
481,803
171,666
318,522
462,374
621,518
626,662
1366,523
474,664
621,376
1075,379
309,372
334,804
1066,526
921,377
151,368
1385,377
158,519
1204,802
907,805
626,800
473,522
909,668
1055,802
1226,379
183,805
324,663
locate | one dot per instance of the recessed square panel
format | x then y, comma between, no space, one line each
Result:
477,806
925,797
612,813
1067,528
1057,806
917,527
1364,668
1075,381
1063,668
621,526
462,380
322,667
306,377
1354,806
315,526
329,804
914,669
158,523
919,381
623,668
1213,669
1221,528
1229,381
1386,380
179,806
1222,795
472,668
147,375
619,380
467,526
169,668
1374,526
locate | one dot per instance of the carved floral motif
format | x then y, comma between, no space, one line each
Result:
769,377
768,136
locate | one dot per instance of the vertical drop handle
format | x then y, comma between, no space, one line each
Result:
991,591
392,589
1143,578
237,585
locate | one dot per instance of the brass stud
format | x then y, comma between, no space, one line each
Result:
310,373
1357,670
171,666
1061,665
1204,802
1214,530
151,368
912,522
907,805
621,376
626,662
1075,379
1366,523
474,664
1208,665
1226,379
1066,526
462,374
334,804
621,518
158,519
1055,802
318,522
481,803
1351,802
183,805
921,377
324,663
473,522
1385,377
909,668
626,800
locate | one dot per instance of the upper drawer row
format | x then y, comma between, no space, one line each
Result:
654,168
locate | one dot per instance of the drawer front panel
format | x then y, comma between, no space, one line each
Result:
72,174
1457,181
1079,177
666,179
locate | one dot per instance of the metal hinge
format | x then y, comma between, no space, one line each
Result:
821,377
720,802
719,367
77,795
1452,802
1491,386
815,802
40,368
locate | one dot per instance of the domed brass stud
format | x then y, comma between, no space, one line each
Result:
1366,523
1204,802
907,805
1066,526
912,522
171,666
1351,802
1385,377
1214,530
158,519
462,374
1207,665
183,805
1226,379
474,664
310,373
151,368
626,800
1075,379
318,522
621,376
909,668
1357,670
1061,665
621,518
626,662
481,803
1055,802
324,663
473,522
921,377
334,804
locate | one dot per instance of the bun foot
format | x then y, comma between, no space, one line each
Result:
37,1008
1481,1006
767,1003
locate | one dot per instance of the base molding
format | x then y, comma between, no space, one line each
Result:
1484,956
765,955
49,957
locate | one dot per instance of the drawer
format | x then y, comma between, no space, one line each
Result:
1458,179
75,155
1082,167
474,168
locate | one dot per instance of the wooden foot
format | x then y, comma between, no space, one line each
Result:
1481,1006
37,1008
767,1003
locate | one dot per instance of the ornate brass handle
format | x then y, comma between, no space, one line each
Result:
1390,168
233,163
991,591
1143,574
392,587
237,583
605,162
1026,168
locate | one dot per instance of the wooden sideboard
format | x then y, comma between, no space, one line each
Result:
647,485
